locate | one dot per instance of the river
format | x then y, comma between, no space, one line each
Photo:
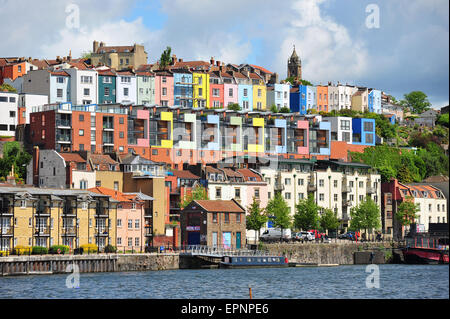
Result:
342,282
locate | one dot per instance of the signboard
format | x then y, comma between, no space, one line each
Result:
420,228
193,228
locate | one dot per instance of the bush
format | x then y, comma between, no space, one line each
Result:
39,250
89,248
63,249
21,250
110,249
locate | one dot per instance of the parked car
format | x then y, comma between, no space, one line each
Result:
275,234
350,235
306,236
296,237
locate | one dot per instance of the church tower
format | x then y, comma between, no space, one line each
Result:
295,66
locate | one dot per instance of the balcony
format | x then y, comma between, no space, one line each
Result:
312,187
6,211
346,203
43,212
69,231
148,232
346,189
148,213
42,232
345,216
68,212
64,124
103,231
278,186
371,190
101,213
6,231
174,218
63,139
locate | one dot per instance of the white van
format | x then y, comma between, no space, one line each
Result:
275,234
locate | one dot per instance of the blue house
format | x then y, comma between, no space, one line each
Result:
363,131
106,87
182,93
374,103
298,102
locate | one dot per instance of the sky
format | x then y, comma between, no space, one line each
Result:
397,46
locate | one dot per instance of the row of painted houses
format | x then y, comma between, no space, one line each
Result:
183,135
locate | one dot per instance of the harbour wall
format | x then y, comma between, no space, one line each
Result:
332,253
47,264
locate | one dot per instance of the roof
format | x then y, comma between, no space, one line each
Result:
108,72
184,174
192,64
261,69
226,206
119,196
248,173
210,169
59,73
230,173
102,159
72,157
118,49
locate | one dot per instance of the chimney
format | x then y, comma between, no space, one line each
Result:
174,59
35,166
180,60
102,44
95,46
218,63
212,60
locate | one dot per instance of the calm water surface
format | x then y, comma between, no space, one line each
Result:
343,282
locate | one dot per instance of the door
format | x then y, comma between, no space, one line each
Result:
226,236
238,240
193,238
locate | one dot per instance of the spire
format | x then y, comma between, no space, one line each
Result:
294,54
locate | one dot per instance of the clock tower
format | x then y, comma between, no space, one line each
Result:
295,66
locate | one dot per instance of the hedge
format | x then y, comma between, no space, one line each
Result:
63,249
21,250
39,250
110,249
89,248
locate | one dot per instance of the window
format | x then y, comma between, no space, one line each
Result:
287,181
361,198
218,192
81,147
81,132
59,93
259,92
237,193
107,91
136,224
116,186
321,197
86,79
238,218
287,195
216,92
200,92
86,92
164,79
125,91
257,193
345,125
245,92
301,182
121,120
130,242
368,126
98,183
81,118
227,217
136,241
335,197
121,134
361,184
335,183
12,114
133,206
321,183
164,91
230,92
301,196
130,224
214,217
119,223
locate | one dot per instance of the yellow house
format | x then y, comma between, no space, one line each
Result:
259,93
200,89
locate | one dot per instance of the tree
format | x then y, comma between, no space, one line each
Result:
365,216
278,211
13,154
407,212
307,214
256,218
416,101
329,220
284,109
7,88
234,107
166,58
86,55
274,108
198,193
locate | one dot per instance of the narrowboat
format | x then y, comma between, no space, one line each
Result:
253,261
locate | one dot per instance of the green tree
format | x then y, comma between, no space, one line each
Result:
443,120
329,220
274,108
256,218
86,55
13,154
365,216
307,214
278,211
407,212
416,101
234,107
198,193
7,88
166,58
285,109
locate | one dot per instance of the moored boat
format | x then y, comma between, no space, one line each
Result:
426,250
253,261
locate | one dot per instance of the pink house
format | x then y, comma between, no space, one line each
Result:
164,88
303,131
131,212
230,89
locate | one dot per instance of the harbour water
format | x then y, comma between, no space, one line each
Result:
342,282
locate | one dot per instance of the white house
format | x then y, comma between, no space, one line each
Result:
341,128
8,113
83,86
126,88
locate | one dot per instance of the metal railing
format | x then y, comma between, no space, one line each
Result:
221,251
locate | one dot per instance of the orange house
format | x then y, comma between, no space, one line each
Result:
13,71
322,98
